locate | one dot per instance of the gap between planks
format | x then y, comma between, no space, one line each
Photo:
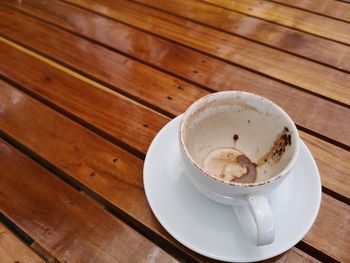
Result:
166,71
97,42
168,116
186,45
148,233
77,75
242,35
308,10
267,20
26,239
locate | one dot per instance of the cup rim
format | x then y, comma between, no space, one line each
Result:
281,174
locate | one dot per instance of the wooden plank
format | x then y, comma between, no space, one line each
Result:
334,219
335,9
128,76
322,115
297,256
103,109
333,162
296,42
84,162
12,249
290,17
274,63
67,224
32,73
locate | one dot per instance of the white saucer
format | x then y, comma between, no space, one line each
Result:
212,229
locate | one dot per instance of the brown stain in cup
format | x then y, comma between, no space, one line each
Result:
280,145
235,139
248,171
250,175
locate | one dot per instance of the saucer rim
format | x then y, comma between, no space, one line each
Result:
290,245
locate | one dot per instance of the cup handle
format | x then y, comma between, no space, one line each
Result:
259,218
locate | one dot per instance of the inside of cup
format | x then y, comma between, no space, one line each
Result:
219,128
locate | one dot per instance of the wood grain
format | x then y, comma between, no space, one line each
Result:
128,76
334,218
63,221
101,108
335,9
12,249
280,37
290,17
322,115
298,256
32,74
274,63
333,162
69,152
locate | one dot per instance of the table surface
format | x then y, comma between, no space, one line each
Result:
86,85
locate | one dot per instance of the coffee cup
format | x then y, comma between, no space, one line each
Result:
237,148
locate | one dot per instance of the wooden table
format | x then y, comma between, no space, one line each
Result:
86,85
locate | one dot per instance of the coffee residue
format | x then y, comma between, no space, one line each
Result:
235,139
280,145
250,175
231,165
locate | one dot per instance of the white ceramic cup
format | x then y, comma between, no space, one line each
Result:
217,130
